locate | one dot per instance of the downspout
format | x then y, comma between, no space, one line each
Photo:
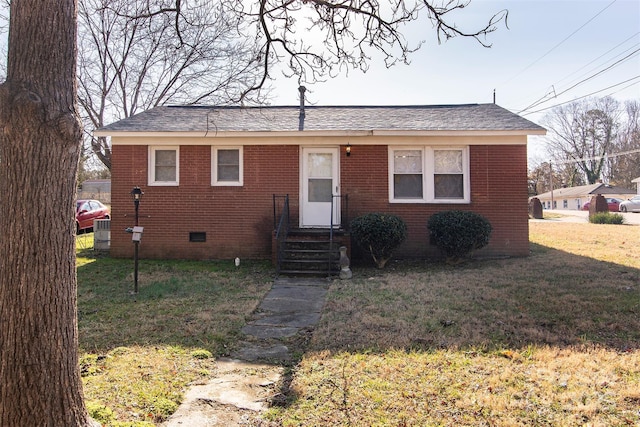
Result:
302,90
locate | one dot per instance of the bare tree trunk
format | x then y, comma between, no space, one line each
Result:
39,151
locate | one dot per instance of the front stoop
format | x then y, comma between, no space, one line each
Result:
310,252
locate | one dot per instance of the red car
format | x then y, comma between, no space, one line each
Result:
612,202
87,211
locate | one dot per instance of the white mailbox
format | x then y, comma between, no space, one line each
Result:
137,234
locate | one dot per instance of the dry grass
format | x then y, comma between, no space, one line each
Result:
583,290
548,340
544,386
140,352
142,385
552,339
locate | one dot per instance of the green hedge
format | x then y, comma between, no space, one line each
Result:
379,234
458,233
606,218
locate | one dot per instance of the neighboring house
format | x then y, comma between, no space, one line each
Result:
99,189
573,198
209,174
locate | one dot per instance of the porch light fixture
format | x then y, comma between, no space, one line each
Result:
348,149
136,194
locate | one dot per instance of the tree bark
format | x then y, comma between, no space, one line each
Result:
40,139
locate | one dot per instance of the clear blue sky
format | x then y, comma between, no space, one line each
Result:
549,47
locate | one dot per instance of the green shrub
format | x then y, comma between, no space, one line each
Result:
606,218
457,233
380,234
200,353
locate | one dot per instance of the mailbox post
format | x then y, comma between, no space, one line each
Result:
136,194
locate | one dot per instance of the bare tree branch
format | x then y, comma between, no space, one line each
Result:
132,58
582,134
317,39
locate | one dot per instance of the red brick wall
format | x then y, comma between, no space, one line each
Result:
239,220
498,191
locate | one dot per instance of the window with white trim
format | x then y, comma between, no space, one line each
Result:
429,175
227,166
164,165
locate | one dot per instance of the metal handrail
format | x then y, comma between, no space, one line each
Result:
281,227
344,220
344,210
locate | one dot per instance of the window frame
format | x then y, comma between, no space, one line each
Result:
428,175
152,165
214,167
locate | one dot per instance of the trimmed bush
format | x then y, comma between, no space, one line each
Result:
606,218
380,234
458,233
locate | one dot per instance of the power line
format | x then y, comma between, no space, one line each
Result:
605,53
583,80
585,96
559,44
606,156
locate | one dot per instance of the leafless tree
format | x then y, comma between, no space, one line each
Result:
540,177
320,38
39,148
129,65
625,164
583,134
4,23
40,143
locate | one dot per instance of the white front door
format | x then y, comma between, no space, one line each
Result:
319,183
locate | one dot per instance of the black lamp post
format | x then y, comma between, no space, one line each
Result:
136,194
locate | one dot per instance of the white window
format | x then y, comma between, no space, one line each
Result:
164,165
429,175
226,166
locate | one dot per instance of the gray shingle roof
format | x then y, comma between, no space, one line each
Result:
468,117
585,190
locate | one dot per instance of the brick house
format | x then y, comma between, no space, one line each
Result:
213,177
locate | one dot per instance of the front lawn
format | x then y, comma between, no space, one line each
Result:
551,339
138,353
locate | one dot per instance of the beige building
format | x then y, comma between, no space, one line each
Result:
574,198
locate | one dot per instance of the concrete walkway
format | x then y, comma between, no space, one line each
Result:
251,378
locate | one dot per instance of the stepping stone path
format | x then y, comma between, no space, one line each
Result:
246,383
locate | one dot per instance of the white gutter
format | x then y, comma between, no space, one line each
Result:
319,133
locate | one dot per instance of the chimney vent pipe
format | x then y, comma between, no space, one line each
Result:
302,90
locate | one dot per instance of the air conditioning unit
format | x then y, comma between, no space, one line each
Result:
101,234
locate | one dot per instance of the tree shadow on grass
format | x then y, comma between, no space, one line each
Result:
552,298
553,339
179,303
549,298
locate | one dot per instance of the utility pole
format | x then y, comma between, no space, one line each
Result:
551,182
